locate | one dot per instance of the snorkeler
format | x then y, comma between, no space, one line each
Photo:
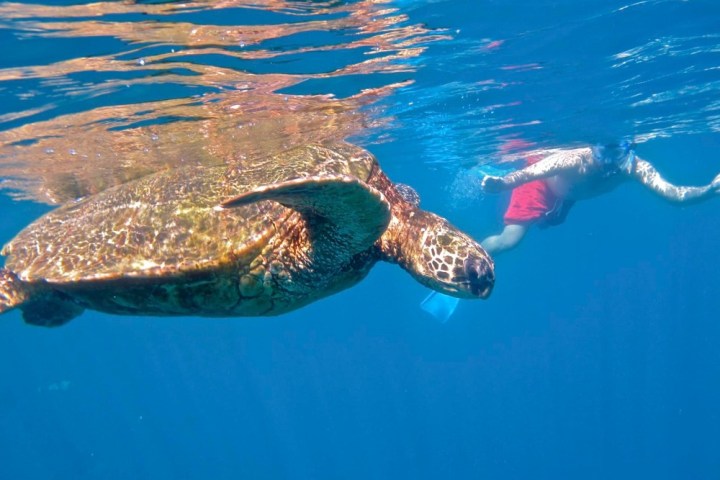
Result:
546,188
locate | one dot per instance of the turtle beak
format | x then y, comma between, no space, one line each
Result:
480,276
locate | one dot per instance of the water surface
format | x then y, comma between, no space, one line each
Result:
596,355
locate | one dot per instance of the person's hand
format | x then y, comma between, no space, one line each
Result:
715,185
492,184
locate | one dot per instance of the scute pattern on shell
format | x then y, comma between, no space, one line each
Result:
167,223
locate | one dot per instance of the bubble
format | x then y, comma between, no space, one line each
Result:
465,189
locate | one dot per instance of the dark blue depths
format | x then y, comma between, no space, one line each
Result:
596,357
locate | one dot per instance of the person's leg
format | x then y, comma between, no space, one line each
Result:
505,240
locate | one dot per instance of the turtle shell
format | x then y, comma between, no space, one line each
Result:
168,223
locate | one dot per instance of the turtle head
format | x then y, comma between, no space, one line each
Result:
439,255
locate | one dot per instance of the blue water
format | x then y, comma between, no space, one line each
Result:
596,356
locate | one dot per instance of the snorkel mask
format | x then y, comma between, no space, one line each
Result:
615,156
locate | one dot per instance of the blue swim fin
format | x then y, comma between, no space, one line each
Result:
440,306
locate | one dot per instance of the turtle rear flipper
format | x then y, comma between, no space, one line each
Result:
13,291
356,214
51,310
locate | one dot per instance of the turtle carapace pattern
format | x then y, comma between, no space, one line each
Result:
258,238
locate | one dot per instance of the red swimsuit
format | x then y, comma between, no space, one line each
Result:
530,201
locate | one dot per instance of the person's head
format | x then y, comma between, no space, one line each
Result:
617,155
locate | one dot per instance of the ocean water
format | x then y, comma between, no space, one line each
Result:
596,356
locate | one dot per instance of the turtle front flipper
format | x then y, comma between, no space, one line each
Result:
340,210
40,306
13,291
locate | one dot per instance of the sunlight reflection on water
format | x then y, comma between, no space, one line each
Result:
149,87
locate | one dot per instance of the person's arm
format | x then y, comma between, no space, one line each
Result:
559,162
646,174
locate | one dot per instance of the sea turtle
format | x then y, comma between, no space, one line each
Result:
263,237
